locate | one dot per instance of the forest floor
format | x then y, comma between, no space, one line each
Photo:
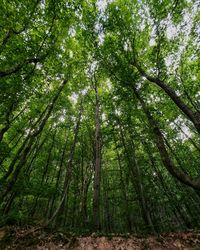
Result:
42,239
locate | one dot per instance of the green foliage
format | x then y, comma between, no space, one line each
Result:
116,49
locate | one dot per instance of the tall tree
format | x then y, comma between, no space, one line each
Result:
97,166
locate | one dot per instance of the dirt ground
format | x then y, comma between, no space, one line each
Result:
40,239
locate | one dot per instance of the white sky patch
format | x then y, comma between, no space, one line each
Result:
171,31
139,84
194,78
197,95
117,111
99,31
184,27
61,118
154,98
169,60
142,26
154,174
101,5
62,48
186,132
42,4
127,45
183,131
145,17
74,98
101,38
39,66
108,84
104,117
27,131
25,35
178,93
152,42
91,68
72,32
172,61
84,91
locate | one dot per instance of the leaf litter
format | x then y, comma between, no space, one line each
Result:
40,238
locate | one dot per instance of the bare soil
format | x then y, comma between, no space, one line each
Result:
41,239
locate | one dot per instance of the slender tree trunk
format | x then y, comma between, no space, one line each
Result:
86,183
3,131
48,158
176,209
97,173
28,145
124,192
69,169
9,120
53,198
160,143
189,138
107,212
33,134
194,117
33,210
35,151
137,182
9,203
13,162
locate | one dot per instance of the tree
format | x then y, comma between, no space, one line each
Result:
99,115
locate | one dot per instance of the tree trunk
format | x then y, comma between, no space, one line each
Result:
137,182
124,192
28,145
9,120
160,143
69,169
53,198
194,117
97,173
